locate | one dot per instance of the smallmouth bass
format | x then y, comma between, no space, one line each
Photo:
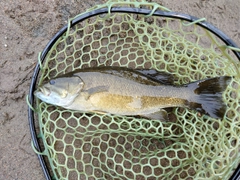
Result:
123,91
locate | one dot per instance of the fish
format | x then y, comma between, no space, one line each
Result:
133,92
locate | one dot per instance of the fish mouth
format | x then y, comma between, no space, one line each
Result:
44,91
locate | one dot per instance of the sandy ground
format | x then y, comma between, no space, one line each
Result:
26,28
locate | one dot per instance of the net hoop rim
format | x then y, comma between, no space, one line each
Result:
82,17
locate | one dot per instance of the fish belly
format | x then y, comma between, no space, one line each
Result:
132,105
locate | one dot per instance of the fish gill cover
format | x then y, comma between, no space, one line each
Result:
82,145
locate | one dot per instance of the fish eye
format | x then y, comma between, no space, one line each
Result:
52,82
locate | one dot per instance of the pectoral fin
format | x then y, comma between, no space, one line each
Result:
94,90
160,115
135,104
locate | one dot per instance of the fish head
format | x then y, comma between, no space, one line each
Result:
60,91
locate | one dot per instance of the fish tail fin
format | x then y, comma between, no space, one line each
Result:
209,96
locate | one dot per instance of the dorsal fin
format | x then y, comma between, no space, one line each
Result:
143,76
162,77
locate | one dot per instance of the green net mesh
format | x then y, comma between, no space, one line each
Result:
83,145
